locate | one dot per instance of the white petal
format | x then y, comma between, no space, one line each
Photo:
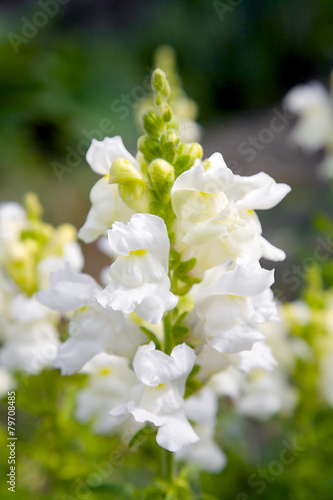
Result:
144,231
259,191
69,290
101,154
154,367
176,433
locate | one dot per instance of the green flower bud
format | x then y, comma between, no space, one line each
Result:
160,83
169,145
152,124
132,185
33,206
162,177
187,154
123,172
194,149
150,148
166,112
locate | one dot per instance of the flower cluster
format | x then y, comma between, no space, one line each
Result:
313,103
185,296
30,250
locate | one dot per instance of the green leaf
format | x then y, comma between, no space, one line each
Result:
141,435
175,255
186,266
121,491
182,290
187,278
151,336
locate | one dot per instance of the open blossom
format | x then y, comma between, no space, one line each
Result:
201,409
92,329
230,309
109,384
107,205
159,397
139,276
215,212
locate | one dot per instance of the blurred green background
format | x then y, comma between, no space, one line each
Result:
60,83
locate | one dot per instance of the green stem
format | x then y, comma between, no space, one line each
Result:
168,465
168,342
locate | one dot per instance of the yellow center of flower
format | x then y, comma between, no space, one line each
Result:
105,370
138,253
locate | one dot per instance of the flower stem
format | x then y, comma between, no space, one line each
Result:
168,343
168,466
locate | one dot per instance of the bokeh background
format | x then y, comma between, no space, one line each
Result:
59,82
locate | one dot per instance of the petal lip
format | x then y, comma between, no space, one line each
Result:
153,367
101,154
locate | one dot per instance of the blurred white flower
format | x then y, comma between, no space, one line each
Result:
201,409
31,339
7,382
264,394
314,106
159,398
109,384
139,276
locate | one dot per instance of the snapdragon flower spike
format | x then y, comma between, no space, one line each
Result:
215,212
139,276
159,398
231,308
92,329
107,205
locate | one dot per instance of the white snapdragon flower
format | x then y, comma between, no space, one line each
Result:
109,384
314,106
31,339
201,409
92,329
107,205
230,309
264,394
139,276
159,398
215,212
225,374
